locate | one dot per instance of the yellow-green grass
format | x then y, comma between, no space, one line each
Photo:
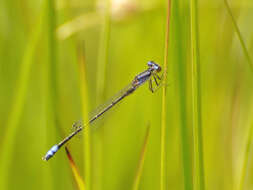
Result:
42,96
198,156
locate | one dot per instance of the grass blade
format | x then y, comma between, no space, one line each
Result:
85,110
180,51
244,48
51,64
246,158
101,80
75,171
196,100
103,51
18,102
249,60
141,161
164,111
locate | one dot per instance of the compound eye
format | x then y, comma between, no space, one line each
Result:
158,68
150,63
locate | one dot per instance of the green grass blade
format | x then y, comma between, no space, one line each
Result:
18,103
51,65
244,48
246,158
51,91
249,60
85,110
164,111
179,32
101,80
199,178
103,52
141,161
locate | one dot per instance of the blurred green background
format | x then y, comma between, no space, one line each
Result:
40,92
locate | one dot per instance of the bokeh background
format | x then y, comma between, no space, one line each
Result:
59,60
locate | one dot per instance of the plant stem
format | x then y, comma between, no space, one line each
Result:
196,100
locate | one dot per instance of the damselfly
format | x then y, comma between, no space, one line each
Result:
151,75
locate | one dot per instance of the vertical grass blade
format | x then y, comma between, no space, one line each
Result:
199,176
103,51
180,51
246,158
244,48
249,60
8,140
141,161
75,171
85,110
51,64
164,111
103,55
51,87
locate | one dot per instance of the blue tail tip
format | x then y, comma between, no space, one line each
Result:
50,153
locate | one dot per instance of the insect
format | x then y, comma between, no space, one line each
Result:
150,74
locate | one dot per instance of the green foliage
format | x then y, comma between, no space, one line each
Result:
44,91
